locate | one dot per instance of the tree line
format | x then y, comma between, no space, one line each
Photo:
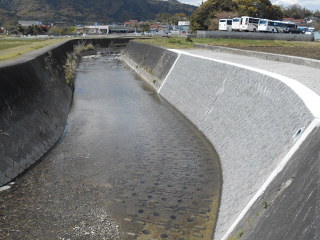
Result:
207,15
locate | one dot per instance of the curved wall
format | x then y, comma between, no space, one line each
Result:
253,118
34,104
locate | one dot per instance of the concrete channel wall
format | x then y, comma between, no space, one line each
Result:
34,104
254,119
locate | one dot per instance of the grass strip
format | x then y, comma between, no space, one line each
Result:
183,43
11,49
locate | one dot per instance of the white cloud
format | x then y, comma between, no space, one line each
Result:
308,4
192,2
285,2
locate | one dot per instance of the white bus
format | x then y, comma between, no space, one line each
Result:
225,25
249,24
274,26
236,24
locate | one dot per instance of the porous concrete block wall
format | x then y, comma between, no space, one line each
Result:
34,106
251,117
151,62
34,103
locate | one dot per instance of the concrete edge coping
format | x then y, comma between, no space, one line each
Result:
309,97
268,56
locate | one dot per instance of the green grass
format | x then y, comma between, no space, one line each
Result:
183,43
168,42
11,49
9,43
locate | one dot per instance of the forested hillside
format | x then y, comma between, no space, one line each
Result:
88,11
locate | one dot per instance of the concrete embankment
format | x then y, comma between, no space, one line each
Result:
260,124
34,104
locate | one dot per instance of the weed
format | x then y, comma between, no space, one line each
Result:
174,40
257,214
81,47
154,81
51,65
240,233
236,236
188,39
70,67
264,202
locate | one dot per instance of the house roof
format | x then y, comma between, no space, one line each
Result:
297,20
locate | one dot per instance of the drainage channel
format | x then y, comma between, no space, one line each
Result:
128,167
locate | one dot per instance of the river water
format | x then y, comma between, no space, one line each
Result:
129,166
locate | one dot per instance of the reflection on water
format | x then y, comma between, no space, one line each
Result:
128,154
162,176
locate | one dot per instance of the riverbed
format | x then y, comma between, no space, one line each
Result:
128,166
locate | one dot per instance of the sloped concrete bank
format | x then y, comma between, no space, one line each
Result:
257,121
34,104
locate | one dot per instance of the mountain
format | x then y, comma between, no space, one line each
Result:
88,11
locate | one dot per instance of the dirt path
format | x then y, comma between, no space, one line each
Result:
312,52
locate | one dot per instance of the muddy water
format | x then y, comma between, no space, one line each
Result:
128,167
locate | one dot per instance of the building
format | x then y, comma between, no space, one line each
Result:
105,29
184,26
60,25
96,29
28,23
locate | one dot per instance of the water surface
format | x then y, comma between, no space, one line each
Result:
128,167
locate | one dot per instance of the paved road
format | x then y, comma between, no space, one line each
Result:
306,75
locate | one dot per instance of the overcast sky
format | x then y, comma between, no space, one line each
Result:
308,4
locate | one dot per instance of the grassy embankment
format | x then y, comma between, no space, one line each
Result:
183,43
11,49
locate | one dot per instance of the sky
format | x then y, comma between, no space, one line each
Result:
308,4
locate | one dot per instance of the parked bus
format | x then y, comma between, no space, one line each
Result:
225,25
249,24
274,26
236,24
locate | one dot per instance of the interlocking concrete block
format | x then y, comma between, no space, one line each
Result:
2,178
251,118
9,173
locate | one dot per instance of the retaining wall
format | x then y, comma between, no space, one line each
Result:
253,118
34,104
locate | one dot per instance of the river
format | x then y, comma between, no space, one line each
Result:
129,166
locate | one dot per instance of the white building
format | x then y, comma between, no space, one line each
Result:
29,23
